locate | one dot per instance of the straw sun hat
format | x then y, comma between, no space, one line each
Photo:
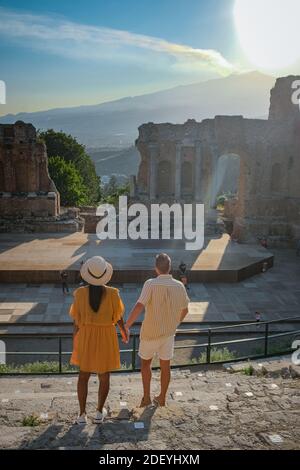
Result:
96,271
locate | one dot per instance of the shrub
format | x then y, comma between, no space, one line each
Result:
31,420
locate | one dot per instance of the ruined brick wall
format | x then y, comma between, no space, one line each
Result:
269,152
25,185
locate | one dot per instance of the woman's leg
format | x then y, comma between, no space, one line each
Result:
82,390
103,389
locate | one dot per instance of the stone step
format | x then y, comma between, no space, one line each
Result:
275,367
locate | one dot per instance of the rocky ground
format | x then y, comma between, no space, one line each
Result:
207,409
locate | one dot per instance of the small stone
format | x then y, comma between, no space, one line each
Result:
44,416
139,425
274,386
213,408
249,394
228,384
275,439
5,400
178,394
17,391
45,385
123,404
200,375
69,383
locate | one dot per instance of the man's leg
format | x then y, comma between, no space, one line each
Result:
146,377
165,377
82,390
103,389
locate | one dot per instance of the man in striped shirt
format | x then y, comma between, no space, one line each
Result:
166,304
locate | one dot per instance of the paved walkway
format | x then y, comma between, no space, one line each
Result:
206,410
276,294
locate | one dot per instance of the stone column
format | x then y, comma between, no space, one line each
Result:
198,171
214,176
178,171
153,171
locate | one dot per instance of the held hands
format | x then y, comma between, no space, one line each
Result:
127,330
125,334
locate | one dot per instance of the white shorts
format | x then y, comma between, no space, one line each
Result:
163,347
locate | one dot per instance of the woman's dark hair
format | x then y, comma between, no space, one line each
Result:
95,296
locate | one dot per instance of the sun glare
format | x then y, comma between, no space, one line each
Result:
268,31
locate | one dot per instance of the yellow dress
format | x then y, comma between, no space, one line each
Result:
96,346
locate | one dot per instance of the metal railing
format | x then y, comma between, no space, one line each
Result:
210,345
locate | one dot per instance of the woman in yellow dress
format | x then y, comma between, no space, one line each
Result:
96,310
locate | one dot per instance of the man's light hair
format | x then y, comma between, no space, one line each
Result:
163,263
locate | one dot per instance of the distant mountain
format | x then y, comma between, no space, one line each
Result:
115,161
115,123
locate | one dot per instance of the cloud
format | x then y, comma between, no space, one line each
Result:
82,41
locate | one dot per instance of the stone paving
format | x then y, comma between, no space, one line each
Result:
276,294
207,409
39,252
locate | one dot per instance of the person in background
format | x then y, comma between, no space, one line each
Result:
96,309
183,275
166,304
257,317
64,282
264,242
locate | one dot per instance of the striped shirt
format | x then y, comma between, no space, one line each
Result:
164,299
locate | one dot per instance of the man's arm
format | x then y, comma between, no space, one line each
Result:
183,314
134,314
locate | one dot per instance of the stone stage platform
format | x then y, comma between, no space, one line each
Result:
38,258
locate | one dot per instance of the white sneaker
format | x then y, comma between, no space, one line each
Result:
99,418
81,419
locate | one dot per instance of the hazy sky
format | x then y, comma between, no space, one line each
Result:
66,53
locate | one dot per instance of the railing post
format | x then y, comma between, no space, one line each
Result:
59,355
208,347
266,338
133,352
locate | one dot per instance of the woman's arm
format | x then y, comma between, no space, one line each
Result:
123,331
75,329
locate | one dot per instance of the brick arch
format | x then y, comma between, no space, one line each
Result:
246,174
226,175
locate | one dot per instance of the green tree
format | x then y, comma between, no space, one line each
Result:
67,147
112,191
68,182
